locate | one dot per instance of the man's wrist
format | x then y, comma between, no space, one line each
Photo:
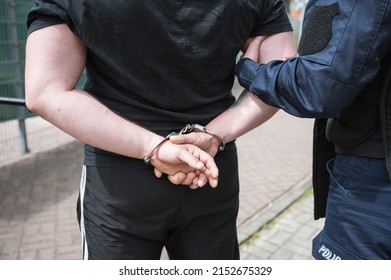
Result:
148,157
200,128
187,129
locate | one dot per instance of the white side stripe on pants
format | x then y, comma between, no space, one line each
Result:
84,246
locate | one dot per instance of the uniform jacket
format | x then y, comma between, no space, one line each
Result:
342,48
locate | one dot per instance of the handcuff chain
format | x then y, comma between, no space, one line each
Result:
199,128
187,129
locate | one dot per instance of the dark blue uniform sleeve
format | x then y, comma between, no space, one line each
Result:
340,51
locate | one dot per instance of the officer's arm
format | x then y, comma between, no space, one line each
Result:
332,67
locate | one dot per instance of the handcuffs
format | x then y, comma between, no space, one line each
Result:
187,129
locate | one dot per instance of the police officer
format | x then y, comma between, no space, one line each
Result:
341,78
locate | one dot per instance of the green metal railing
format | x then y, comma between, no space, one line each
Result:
13,34
12,42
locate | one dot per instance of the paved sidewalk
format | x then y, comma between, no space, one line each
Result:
38,191
288,236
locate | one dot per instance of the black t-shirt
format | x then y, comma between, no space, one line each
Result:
162,64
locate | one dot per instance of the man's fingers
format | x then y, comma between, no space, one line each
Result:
210,165
170,169
182,178
210,170
191,159
158,173
213,182
201,140
177,178
193,186
189,178
180,139
204,177
184,161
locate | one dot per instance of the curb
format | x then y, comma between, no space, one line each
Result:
266,215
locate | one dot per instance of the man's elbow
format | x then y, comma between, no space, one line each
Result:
31,100
35,100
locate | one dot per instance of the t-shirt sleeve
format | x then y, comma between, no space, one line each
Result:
45,13
274,18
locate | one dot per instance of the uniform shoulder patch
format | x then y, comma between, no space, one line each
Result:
317,31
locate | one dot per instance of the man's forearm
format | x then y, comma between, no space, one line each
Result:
55,59
247,113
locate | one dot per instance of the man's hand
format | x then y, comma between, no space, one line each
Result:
203,141
185,164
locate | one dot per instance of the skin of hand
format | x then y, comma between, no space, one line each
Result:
193,179
55,59
202,140
200,166
248,112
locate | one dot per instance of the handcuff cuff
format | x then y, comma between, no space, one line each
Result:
186,130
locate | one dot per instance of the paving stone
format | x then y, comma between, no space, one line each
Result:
292,246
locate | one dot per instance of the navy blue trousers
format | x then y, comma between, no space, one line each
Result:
358,216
